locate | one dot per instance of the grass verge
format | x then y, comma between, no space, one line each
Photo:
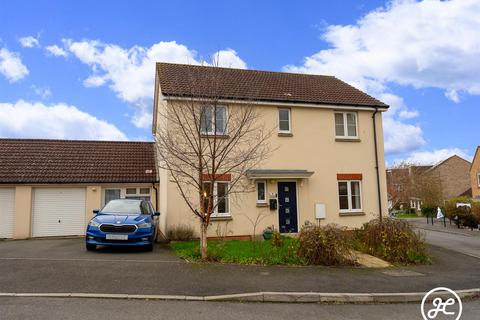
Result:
243,252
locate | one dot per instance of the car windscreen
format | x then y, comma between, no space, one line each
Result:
123,207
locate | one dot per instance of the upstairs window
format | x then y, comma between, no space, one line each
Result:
478,179
284,121
346,125
213,120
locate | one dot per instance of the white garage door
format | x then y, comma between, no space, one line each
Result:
58,212
7,212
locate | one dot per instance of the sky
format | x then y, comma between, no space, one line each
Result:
85,69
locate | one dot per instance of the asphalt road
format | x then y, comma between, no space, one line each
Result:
66,309
465,244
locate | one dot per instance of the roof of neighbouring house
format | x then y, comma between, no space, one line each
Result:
180,80
34,161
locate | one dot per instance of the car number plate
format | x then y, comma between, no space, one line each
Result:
117,236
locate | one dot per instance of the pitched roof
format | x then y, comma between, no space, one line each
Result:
68,161
180,80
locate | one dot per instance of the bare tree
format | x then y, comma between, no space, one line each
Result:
399,184
207,146
406,180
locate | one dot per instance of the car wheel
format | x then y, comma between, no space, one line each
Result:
149,247
91,247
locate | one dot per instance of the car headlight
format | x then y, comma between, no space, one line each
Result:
93,223
144,225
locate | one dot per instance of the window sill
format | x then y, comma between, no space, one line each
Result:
217,136
220,218
262,204
347,139
285,134
351,214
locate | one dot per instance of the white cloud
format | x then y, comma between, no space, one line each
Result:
56,51
60,121
435,156
29,42
423,44
228,58
130,72
42,92
11,65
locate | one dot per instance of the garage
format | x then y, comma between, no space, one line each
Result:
58,212
7,212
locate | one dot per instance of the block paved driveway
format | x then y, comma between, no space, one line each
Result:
65,266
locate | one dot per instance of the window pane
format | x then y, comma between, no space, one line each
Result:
284,120
111,194
206,120
343,195
352,124
355,185
222,196
144,190
261,191
131,191
339,128
220,120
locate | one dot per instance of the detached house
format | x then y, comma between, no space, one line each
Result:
328,163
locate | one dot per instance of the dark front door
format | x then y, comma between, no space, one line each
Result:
287,206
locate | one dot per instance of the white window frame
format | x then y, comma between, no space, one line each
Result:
265,190
345,124
349,194
289,120
124,195
214,131
215,212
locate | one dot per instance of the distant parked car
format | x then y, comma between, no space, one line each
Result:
123,222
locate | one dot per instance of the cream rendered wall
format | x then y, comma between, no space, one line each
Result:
312,147
93,197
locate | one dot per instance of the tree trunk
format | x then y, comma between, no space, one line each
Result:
203,240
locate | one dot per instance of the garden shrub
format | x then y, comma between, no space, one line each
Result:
429,211
329,245
392,240
277,240
181,233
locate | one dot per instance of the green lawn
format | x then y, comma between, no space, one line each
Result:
404,215
244,252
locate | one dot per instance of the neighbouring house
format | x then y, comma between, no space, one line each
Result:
329,160
452,175
50,187
401,187
475,175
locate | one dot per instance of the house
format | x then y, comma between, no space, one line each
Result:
50,187
452,175
401,187
475,175
329,163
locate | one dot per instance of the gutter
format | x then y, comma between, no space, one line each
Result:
377,169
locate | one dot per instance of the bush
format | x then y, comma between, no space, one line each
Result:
181,233
466,218
392,240
327,245
429,211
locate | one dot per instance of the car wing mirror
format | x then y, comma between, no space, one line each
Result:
96,211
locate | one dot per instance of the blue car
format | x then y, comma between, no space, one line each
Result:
123,222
